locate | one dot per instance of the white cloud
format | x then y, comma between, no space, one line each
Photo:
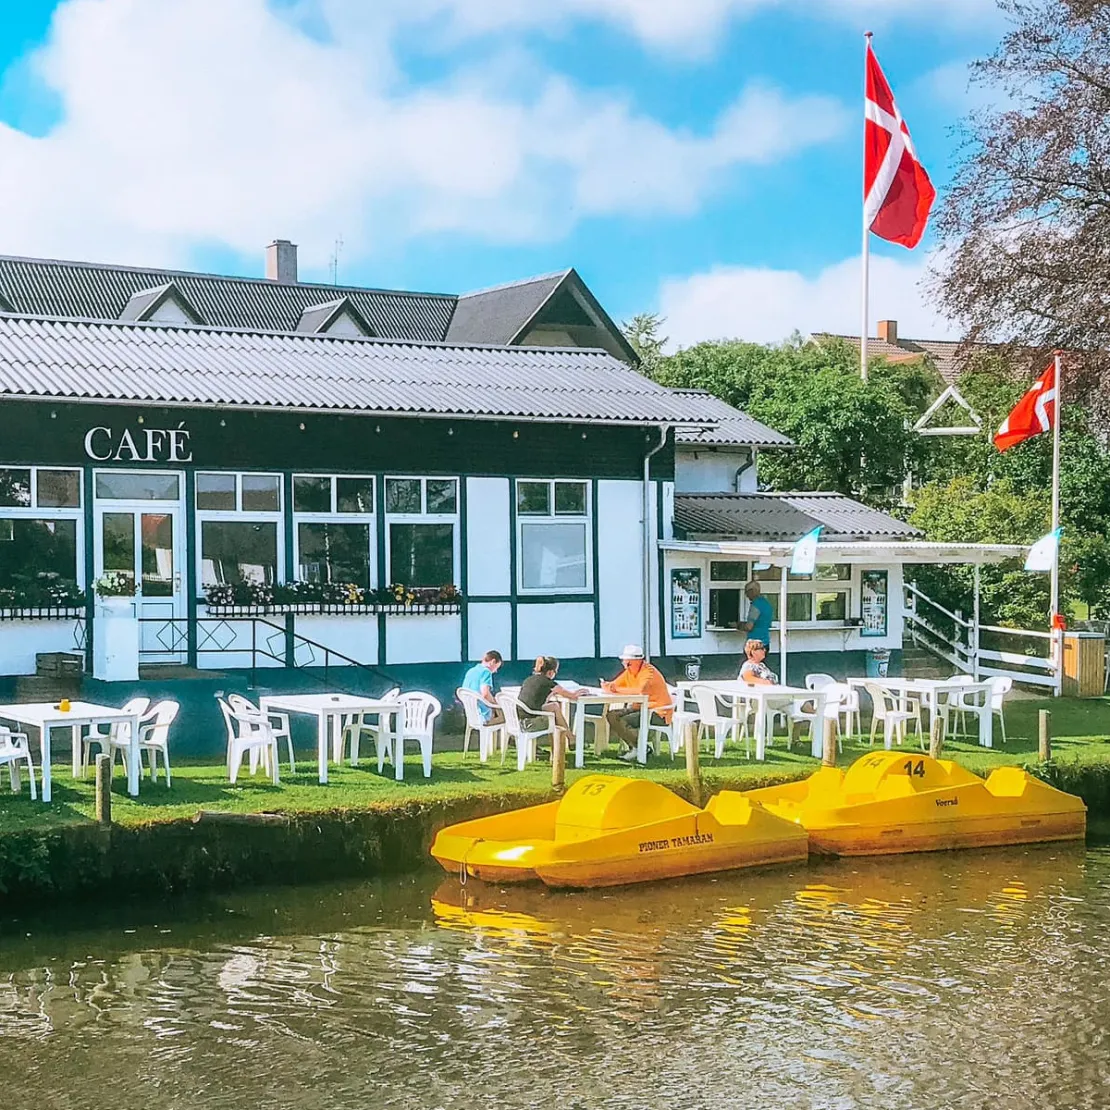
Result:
765,305
193,123
686,26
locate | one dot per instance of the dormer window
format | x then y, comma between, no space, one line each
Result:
338,317
164,304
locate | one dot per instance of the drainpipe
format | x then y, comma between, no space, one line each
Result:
649,546
741,471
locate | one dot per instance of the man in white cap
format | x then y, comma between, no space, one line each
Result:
638,677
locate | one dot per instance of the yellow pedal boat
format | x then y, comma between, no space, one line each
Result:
606,831
891,802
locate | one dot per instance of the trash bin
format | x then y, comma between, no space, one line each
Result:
691,665
878,659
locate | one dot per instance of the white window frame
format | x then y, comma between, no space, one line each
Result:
813,586
523,519
239,516
335,516
736,584
51,512
423,517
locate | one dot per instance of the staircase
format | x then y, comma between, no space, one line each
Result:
919,662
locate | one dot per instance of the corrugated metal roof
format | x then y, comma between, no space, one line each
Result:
734,427
497,315
782,516
45,287
175,364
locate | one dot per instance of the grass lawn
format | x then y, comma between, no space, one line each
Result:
1081,732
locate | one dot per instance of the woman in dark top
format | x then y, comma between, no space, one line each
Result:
538,692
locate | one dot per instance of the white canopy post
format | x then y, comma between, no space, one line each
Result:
975,629
782,623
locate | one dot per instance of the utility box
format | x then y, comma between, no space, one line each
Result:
1084,664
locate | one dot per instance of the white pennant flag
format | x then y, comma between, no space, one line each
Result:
803,559
1042,554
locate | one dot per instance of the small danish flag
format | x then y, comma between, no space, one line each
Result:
1033,414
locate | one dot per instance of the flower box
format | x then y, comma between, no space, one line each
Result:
439,608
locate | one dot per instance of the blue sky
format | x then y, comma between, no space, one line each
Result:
700,158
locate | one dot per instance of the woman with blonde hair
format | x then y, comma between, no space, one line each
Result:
755,671
538,693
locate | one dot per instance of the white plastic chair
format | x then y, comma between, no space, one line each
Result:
683,722
15,750
249,730
116,737
279,723
711,719
357,723
1000,686
947,702
417,722
849,701
835,693
488,735
885,710
524,738
974,700
154,733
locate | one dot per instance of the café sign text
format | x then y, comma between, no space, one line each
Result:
139,445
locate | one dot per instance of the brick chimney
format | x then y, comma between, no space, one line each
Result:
888,329
281,262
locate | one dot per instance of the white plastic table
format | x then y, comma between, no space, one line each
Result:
765,698
329,709
81,714
929,689
591,696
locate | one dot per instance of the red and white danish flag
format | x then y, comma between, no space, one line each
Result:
897,192
1033,414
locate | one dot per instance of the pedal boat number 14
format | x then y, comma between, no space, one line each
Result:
892,802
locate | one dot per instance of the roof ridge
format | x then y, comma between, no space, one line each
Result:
516,284
155,270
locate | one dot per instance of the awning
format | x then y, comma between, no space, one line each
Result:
855,551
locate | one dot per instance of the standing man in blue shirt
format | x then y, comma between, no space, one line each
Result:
758,621
480,679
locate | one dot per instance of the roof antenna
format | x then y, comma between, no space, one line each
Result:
335,260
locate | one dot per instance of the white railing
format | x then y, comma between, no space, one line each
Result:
950,636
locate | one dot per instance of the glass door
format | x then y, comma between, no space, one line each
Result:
143,541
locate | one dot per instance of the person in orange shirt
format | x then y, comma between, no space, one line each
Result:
638,677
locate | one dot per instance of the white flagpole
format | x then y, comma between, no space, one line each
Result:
1054,589
866,254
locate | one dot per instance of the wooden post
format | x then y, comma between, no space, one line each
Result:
693,770
558,762
104,789
828,753
1044,744
936,735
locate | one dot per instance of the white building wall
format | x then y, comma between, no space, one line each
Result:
713,470
21,641
620,562
354,636
565,630
487,537
489,627
423,638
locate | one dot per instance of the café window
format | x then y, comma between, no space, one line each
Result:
727,603
326,493
40,532
334,528
823,597
554,532
239,525
421,519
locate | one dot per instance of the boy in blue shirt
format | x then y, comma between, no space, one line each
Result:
480,679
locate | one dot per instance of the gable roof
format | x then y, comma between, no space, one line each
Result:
320,317
734,428
505,313
146,302
781,516
194,365
95,291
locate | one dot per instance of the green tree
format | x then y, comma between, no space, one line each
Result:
642,333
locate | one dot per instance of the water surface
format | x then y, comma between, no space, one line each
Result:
947,980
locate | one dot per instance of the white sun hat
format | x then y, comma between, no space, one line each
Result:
631,651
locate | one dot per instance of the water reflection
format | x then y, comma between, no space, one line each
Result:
852,983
